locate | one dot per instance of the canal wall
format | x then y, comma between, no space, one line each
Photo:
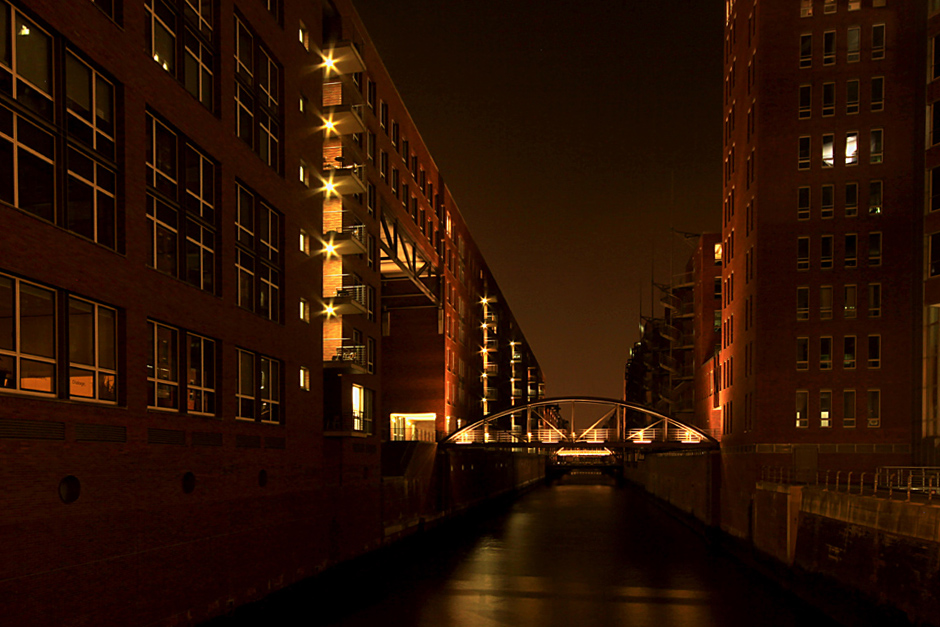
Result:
833,548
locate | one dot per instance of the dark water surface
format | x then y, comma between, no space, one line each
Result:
580,553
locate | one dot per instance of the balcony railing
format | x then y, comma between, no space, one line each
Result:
348,300
350,241
347,424
343,58
349,359
344,176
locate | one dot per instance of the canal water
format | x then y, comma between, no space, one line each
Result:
580,553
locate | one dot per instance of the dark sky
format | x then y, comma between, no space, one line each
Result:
573,136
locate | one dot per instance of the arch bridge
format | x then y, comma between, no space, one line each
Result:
551,425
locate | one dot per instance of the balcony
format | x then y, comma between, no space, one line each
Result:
491,394
342,109
670,332
492,369
342,179
343,58
348,360
347,425
348,301
350,242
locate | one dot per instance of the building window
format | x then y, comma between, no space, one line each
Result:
851,200
828,145
200,382
853,44
304,242
850,301
802,409
933,189
29,155
851,96
26,61
874,249
163,367
802,253
825,252
166,20
362,410
258,255
878,93
805,101
305,378
851,148
303,36
874,300
27,337
803,159
802,303
878,41
802,353
829,99
851,250
828,201
825,409
848,409
383,116
304,310
933,56
259,388
874,408
875,198
806,50
933,124
848,352
825,302
825,353
874,351
180,213
829,47
876,154
257,96
92,351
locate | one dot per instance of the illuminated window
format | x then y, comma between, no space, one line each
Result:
875,198
304,378
851,148
303,36
27,337
304,310
362,410
802,409
190,20
828,143
258,391
257,255
825,409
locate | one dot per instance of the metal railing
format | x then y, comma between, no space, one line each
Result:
358,231
885,482
353,354
355,292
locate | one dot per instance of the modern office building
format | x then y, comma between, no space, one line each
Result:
820,365
229,272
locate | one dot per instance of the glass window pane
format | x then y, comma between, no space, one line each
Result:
33,52
81,383
107,329
37,376
36,185
37,321
78,87
7,319
82,333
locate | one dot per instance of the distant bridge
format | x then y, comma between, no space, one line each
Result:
543,424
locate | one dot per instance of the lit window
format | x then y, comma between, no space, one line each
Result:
828,143
304,36
875,198
825,409
201,382
851,148
27,337
304,242
304,378
304,310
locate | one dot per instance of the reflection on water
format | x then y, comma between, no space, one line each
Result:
582,552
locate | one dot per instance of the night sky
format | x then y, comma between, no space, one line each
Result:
573,137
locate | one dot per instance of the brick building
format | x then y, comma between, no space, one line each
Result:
823,149
228,260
